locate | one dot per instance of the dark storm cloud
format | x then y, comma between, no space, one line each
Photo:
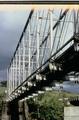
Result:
11,26
3,74
10,30
4,62
8,41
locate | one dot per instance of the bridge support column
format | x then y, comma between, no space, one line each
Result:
13,110
23,110
26,113
71,113
17,111
20,103
5,111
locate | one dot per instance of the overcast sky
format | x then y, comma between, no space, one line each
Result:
11,27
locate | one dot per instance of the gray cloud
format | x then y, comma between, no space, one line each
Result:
10,30
3,74
4,62
11,26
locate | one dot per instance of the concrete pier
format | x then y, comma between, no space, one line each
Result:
71,113
17,110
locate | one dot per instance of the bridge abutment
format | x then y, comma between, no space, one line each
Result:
23,110
71,113
13,111
17,110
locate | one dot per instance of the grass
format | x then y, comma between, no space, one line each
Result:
2,96
50,105
49,96
2,91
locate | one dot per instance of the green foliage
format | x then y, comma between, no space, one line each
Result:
47,106
3,83
2,95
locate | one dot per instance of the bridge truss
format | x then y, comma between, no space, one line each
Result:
43,52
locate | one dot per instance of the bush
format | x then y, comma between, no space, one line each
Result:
50,109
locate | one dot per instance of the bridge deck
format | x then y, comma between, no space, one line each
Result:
68,61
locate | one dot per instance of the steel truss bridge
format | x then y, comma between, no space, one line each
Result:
48,51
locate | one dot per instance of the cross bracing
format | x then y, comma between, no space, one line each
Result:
46,35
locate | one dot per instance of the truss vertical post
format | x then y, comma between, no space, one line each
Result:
37,40
29,69
11,78
74,14
13,74
8,82
16,71
19,64
23,58
51,30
